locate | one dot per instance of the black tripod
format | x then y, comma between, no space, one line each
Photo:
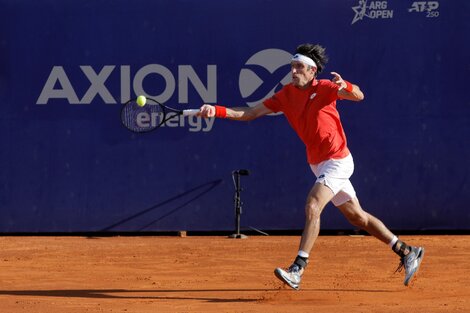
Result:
237,202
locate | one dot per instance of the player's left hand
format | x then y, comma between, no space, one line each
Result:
338,80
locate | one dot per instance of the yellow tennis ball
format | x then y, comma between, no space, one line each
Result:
141,100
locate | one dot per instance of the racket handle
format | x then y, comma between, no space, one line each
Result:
190,112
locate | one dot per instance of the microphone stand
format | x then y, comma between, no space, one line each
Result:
237,203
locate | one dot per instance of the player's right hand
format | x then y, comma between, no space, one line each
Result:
206,111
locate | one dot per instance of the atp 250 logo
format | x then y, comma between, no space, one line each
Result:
427,7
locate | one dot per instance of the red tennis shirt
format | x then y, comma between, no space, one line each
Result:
312,114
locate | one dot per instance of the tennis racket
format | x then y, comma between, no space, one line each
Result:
150,116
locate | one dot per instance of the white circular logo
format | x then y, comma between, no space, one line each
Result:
264,74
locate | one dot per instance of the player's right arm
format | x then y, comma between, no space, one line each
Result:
237,113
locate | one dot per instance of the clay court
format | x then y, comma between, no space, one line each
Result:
216,274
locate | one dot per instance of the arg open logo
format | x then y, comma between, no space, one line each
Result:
371,10
265,73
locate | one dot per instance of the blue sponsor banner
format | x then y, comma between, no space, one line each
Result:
66,67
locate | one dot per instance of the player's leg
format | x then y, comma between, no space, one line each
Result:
317,198
354,213
410,256
331,176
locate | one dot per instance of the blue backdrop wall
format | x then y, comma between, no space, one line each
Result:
67,164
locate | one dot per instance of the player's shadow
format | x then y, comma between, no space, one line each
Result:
179,201
136,294
252,295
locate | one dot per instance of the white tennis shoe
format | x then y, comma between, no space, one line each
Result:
291,276
411,263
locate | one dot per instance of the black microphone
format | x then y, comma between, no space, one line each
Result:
242,172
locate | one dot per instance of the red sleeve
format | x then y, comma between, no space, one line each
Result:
275,103
332,89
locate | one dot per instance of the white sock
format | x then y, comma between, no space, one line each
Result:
393,242
303,254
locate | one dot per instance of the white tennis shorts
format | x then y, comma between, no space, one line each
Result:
335,174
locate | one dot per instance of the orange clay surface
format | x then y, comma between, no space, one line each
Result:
216,274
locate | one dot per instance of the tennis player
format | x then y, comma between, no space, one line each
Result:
309,104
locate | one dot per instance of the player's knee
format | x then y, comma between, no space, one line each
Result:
312,210
358,220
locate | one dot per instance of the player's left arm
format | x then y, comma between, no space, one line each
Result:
346,89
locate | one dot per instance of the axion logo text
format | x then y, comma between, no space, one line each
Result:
97,81
263,74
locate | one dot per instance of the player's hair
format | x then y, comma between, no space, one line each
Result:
314,52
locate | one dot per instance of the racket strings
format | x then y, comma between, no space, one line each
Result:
142,118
